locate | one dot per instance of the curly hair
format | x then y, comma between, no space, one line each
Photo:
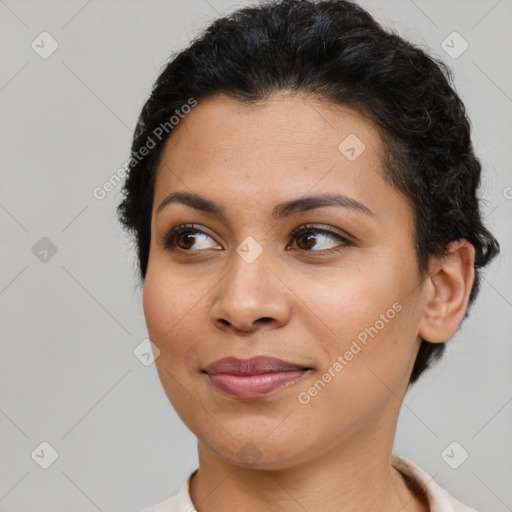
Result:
333,50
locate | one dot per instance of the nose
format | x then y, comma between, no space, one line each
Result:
250,296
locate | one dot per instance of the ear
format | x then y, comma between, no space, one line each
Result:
447,291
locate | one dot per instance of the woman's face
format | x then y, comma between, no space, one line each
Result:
244,286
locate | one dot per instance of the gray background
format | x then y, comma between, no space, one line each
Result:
70,324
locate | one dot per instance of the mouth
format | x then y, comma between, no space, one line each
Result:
253,378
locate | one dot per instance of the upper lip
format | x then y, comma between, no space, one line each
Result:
253,366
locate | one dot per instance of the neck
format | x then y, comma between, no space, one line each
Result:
355,474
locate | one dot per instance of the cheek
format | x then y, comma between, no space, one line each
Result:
157,304
170,310
176,310
168,303
341,304
367,317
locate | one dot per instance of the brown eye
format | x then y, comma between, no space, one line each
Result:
185,238
311,237
307,241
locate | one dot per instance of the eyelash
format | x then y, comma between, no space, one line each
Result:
170,237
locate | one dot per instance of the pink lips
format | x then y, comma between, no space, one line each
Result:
252,378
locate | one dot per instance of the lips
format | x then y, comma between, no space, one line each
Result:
254,366
253,378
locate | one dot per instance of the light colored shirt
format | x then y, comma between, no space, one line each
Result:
439,499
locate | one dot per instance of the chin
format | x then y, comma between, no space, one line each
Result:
256,452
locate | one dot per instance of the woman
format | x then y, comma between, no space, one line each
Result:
302,192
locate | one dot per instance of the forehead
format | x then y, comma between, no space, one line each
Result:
273,150
297,123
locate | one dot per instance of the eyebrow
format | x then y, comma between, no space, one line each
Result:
280,211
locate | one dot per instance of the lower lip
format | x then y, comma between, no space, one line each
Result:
254,386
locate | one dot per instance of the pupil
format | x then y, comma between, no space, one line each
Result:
310,240
190,237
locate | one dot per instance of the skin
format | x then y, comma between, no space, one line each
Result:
295,302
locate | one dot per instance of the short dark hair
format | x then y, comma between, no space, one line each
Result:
336,51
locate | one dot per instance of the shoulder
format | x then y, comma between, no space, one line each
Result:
438,498
179,502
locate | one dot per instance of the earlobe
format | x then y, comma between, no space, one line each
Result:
447,292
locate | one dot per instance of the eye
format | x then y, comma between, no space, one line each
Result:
183,237
309,235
